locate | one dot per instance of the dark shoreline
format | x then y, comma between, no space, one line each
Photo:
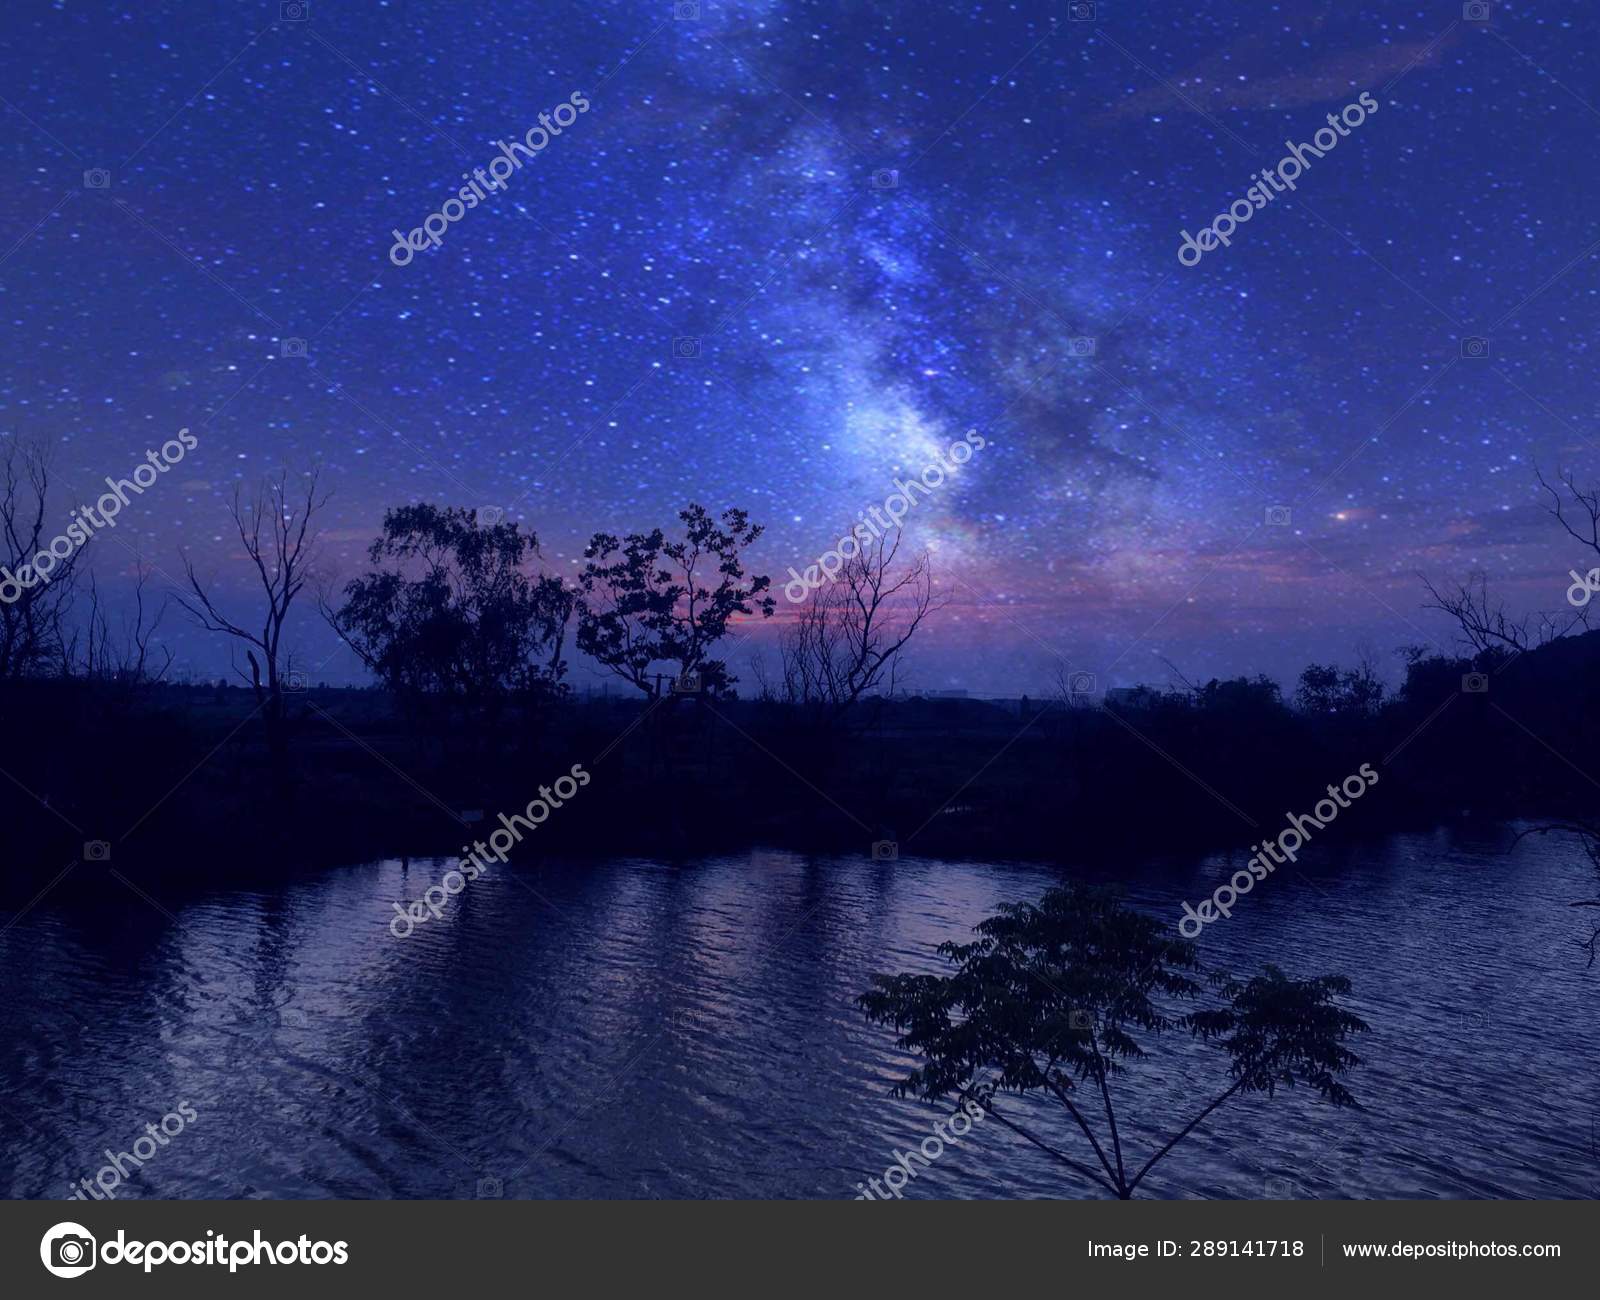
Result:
1036,802
163,773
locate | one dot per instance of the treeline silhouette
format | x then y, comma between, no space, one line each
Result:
184,777
471,711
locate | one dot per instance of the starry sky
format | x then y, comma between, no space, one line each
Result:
877,226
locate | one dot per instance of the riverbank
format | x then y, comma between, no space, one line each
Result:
178,780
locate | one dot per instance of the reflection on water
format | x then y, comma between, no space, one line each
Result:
639,1028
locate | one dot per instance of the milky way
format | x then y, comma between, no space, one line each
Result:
792,252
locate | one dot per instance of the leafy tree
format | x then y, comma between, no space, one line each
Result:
449,608
646,600
1319,689
1053,999
1324,690
1432,677
1242,695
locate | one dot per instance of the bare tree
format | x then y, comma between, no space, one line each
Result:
1588,834
33,619
276,533
1073,688
1190,688
124,657
1486,626
850,637
1580,515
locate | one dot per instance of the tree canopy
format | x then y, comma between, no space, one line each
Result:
1057,999
648,600
450,608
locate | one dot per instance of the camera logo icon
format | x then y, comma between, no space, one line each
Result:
885,178
1278,516
294,680
686,347
68,1250
292,348
489,516
1081,11
293,11
686,11
1080,684
97,851
885,851
97,178
1475,349
1475,11
490,1189
1475,683
1280,1189
1079,1019
687,684
1080,347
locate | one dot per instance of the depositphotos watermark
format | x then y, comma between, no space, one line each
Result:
71,1250
113,1175
82,527
1275,180
829,563
1585,585
1272,855
959,1125
431,231
472,865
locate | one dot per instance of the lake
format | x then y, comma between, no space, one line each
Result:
637,1028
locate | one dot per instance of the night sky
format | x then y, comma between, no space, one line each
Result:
884,223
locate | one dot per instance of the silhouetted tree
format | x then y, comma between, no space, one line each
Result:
451,610
1485,625
646,600
1052,998
33,623
1588,834
1242,696
1073,687
851,633
1325,690
123,657
1575,508
277,538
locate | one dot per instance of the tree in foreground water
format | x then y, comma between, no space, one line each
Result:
1050,1004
